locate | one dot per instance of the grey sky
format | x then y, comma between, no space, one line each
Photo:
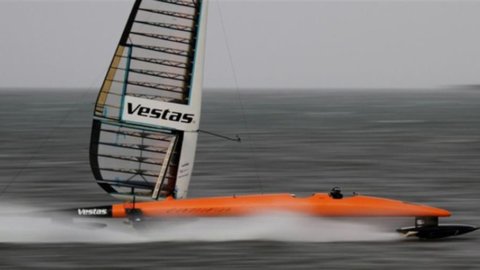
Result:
274,44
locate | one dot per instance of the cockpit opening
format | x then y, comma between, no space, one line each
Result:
336,193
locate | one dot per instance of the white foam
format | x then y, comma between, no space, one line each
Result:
25,228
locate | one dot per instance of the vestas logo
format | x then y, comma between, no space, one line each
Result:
167,114
92,212
161,114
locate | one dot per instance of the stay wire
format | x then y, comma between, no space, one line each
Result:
44,142
248,140
236,139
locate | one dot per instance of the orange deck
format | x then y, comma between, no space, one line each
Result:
316,205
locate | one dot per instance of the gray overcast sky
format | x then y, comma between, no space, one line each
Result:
274,44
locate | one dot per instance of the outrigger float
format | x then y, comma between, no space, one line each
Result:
146,123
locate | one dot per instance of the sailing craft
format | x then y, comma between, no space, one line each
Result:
146,124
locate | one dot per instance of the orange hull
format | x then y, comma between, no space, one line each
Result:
315,205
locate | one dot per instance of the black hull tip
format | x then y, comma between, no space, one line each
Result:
438,231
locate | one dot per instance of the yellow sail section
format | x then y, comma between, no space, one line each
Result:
107,84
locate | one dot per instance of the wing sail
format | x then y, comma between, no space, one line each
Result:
148,109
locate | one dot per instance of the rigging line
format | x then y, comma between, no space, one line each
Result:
42,145
237,90
236,139
44,142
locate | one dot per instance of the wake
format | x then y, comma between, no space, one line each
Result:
23,227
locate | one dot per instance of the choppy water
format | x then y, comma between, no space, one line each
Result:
421,146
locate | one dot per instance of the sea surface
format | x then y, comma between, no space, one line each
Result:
421,146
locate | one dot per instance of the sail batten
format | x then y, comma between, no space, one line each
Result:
139,172
161,74
169,13
138,134
178,27
156,86
160,86
160,49
181,3
140,147
134,158
136,184
163,62
164,37
147,113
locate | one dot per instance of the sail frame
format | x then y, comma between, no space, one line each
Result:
153,75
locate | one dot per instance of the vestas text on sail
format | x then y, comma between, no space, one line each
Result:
161,114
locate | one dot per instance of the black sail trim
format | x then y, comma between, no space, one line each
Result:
94,138
132,184
130,21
